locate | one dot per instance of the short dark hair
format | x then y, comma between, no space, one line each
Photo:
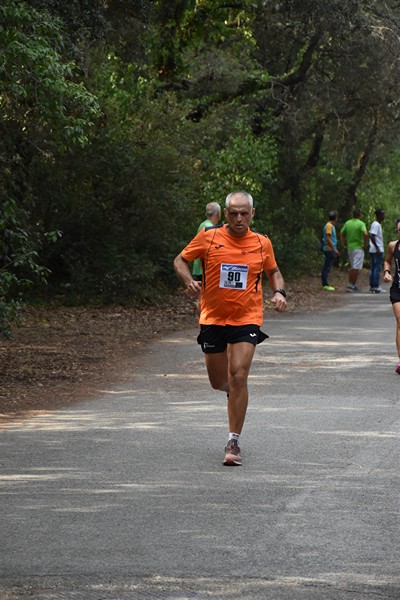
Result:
333,215
379,211
356,212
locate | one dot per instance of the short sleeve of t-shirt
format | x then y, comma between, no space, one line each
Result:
269,261
197,247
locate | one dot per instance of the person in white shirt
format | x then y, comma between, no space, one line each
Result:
376,252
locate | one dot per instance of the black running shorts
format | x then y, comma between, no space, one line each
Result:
394,295
215,338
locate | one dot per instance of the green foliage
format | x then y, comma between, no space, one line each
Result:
245,161
119,121
38,95
43,112
18,260
381,189
126,211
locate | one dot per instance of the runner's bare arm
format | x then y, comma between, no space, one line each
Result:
277,282
183,272
387,265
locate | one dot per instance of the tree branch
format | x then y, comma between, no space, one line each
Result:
362,162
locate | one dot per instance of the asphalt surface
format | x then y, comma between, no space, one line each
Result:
126,496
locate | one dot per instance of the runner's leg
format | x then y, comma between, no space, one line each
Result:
396,310
217,369
240,356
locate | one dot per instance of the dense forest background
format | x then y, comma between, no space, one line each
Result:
120,119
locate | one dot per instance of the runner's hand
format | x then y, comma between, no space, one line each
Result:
279,302
194,288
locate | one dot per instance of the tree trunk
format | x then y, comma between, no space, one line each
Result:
364,157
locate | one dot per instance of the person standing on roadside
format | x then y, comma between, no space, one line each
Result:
393,258
213,217
329,248
376,252
354,235
231,300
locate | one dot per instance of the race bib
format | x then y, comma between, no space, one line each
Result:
233,276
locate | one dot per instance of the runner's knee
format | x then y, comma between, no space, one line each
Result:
238,377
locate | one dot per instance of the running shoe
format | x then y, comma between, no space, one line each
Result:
328,288
232,454
379,290
353,288
398,369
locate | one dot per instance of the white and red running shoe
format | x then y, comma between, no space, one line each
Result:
232,454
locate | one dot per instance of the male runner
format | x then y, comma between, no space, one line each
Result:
231,302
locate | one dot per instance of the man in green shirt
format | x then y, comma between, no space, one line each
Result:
354,236
213,216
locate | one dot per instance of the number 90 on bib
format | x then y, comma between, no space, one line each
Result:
233,276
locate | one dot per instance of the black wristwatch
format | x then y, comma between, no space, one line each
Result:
280,292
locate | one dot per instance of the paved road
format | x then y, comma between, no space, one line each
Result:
126,497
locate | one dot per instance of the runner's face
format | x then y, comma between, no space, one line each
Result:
239,216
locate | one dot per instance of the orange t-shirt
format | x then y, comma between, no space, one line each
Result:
232,275
328,228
